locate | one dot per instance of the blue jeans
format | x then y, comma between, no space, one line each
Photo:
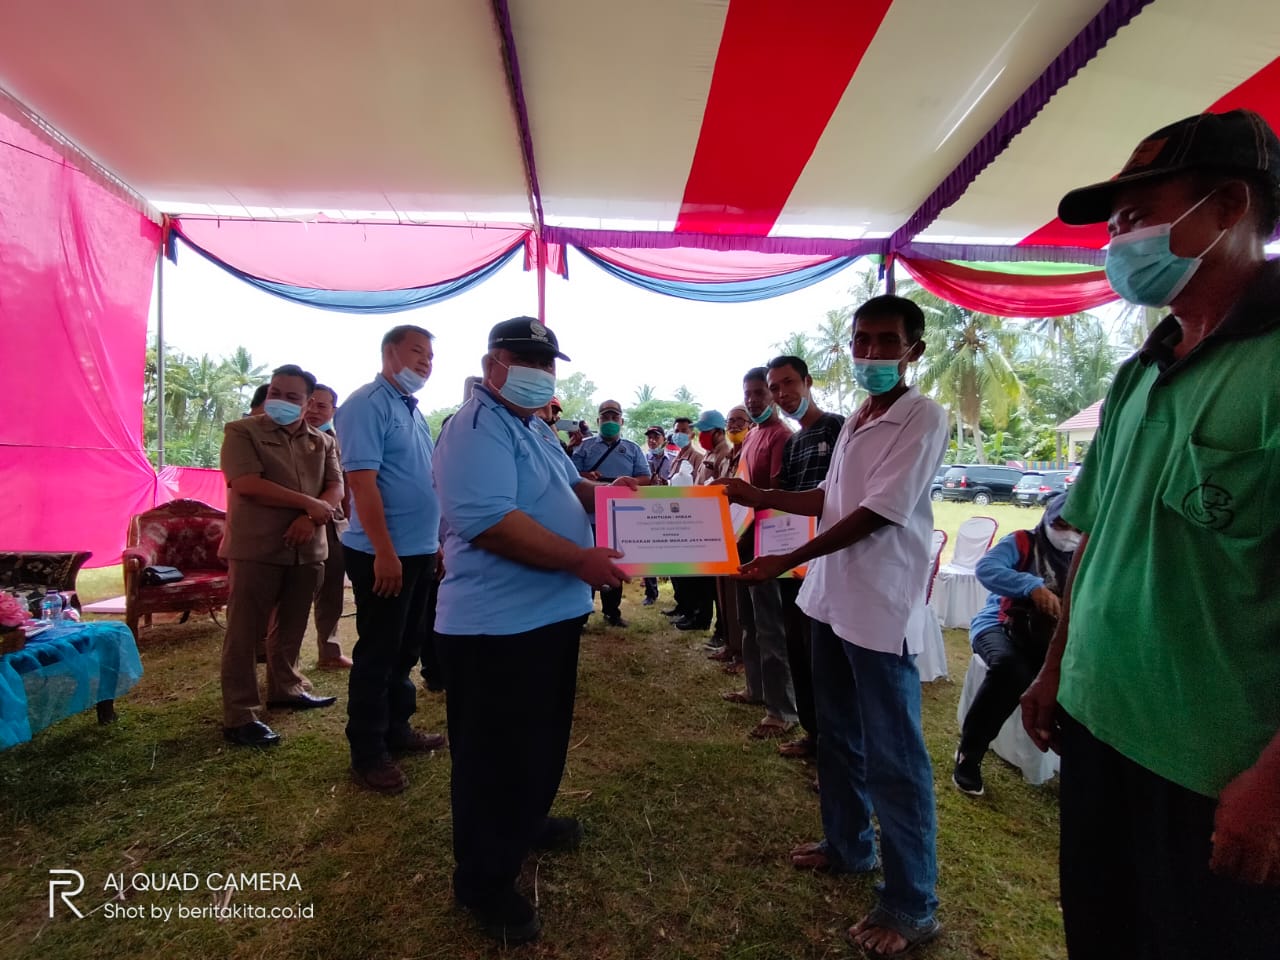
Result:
872,758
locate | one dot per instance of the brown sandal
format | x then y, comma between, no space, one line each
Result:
770,728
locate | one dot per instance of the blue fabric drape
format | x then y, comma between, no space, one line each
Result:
362,301
734,291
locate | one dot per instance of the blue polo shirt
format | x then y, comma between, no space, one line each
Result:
625,459
492,462
381,432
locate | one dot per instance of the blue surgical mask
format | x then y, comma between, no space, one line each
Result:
1142,269
327,426
528,387
765,414
876,376
410,381
681,440
800,410
282,411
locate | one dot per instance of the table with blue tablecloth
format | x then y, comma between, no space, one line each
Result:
63,671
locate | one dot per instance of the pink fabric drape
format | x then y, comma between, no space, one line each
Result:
339,255
1011,295
76,271
193,483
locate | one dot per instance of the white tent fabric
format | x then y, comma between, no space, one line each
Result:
942,122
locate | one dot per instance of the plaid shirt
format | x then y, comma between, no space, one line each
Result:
807,454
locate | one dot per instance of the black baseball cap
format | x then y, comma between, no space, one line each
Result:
525,335
655,430
1237,141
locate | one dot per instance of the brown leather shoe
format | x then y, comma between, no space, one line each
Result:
415,741
385,778
740,696
341,662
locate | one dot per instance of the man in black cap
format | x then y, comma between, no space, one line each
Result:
515,596
1161,687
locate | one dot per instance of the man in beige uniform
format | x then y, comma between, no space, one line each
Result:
285,484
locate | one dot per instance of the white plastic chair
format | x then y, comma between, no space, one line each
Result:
957,594
1012,743
924,629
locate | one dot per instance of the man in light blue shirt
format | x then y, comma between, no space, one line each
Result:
607,457
390,549
510,612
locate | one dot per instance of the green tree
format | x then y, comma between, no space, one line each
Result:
661,412
577,397
243,372
969,368
435,419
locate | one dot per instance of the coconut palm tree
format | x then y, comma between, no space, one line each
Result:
242,372
645,393
969,367
836,366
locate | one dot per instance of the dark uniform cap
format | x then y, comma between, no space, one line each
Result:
525,335
1239,140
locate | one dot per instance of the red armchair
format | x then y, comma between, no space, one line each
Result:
183,534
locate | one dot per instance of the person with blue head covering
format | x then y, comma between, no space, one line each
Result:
1025,573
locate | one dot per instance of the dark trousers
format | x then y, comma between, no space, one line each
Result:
432,669
651,588
696,597
799,629
390,630
611,601
510,704
1010,670
1134,867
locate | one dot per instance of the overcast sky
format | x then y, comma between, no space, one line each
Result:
618,335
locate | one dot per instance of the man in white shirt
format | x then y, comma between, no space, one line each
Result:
871,552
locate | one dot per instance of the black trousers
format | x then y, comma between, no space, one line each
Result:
1134,867
391,630
799,630
695,597
510,704
611,601
1010,670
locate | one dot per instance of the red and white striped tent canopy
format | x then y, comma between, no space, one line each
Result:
928,128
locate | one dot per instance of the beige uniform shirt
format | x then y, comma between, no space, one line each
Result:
305,461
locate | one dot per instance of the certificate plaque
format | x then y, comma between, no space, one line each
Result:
667,531
779,533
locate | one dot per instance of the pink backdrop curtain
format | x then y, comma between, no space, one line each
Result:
75,285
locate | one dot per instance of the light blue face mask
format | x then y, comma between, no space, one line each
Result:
327,426
800,410
681,440
1142,269
528,387
282,411
410,381
765,414
876,376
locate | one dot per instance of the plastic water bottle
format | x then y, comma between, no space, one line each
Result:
684,475
51,607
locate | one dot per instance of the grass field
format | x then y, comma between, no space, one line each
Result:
689,823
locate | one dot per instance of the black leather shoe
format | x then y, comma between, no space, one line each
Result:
303,701
508,918
253,734
688,623
674,612
559,834
648,601
615,621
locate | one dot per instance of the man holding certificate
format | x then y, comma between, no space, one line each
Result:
515,596
870,553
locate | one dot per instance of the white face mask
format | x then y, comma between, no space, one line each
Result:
1064,540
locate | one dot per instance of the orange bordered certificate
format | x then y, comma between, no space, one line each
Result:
667,531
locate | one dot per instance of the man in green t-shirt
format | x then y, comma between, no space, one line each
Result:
1161,688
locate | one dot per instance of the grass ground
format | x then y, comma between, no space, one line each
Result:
688,821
